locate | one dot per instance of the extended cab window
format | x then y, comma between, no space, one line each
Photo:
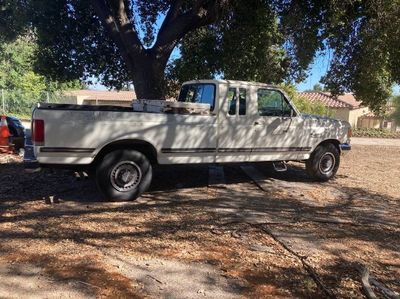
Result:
242,101
272,103
232,101
203,93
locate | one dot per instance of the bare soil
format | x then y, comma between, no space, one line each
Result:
276,235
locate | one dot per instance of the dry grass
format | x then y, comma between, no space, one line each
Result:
181,218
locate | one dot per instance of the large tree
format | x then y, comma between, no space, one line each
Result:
115,40
245,44
123,41
362,38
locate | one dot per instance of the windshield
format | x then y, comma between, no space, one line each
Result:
203,93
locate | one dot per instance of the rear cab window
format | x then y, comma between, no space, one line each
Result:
203,93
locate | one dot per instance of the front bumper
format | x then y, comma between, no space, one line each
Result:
345,146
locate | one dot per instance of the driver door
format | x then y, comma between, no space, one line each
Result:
275,127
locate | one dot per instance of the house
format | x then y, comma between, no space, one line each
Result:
344,107
98,97
371,120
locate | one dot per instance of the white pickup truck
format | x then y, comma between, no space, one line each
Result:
246,122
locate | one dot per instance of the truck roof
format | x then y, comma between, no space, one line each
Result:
236,82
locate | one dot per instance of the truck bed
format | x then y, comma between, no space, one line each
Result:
51,106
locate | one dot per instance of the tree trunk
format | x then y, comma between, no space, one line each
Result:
147,66
148,78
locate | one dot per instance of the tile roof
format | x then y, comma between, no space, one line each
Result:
103,95
370,115
346,100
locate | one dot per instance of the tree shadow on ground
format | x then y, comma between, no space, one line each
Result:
181,209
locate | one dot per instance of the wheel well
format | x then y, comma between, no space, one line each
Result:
335,142
144,147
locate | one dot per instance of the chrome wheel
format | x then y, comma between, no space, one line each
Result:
125,176
327,163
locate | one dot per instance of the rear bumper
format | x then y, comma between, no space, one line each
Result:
345,146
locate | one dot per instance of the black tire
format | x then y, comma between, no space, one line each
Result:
323,162
123,175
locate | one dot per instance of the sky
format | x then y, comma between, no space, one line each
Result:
317,69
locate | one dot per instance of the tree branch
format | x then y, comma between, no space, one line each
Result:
127,30
175,26
107,19
172,14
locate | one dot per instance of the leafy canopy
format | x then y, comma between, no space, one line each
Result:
304,105
396,113
275,41
22,86
271,41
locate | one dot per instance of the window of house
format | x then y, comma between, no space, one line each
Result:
272,103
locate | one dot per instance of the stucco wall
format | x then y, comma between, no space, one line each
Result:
368,122
68,100
355,114
341,113
350,115
107,102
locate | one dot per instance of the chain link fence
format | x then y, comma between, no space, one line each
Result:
20,103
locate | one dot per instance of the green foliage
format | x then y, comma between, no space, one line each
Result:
13,19
318,87
304,105
396,113
271,41
375,133
245,44
21,86
362,37
308,107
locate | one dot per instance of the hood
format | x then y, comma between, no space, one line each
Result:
318,117
330,120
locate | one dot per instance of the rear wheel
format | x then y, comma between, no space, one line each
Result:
123,175
323,162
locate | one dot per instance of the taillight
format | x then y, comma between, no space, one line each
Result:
38,132
349,133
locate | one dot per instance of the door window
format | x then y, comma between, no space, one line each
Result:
272,103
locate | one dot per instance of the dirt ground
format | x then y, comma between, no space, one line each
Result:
259,234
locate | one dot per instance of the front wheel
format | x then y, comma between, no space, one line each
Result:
123,175
323,162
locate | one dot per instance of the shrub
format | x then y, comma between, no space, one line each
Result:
375,133
303,105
